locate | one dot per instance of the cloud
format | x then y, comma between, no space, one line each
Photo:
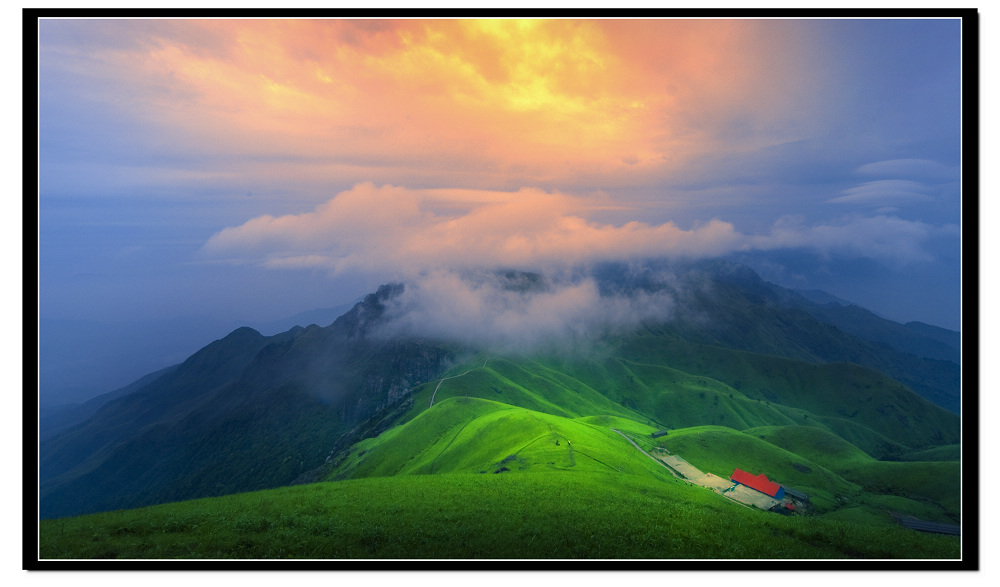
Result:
885,238
407,231
488,102
398,231
509,312
885,192
911,168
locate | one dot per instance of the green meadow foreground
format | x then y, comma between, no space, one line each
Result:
549,515
516,457
475,478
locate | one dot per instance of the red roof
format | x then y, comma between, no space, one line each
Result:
758,482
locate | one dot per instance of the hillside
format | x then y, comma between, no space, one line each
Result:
471,435
796,442
55,419
479,517
250,412
472,478
246,412
728,305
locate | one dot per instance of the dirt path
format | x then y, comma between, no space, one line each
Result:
658,461
453,377
717,484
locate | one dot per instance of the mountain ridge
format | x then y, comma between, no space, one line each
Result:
248,411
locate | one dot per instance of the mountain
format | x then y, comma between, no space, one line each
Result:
728,304
319,316
914,338
245,412
249,411
951,338
54,419
79,357
818,296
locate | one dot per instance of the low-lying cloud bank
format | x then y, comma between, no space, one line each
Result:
514,312
399,231
446,246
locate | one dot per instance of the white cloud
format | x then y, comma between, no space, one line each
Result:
486,310
397,232
887,238
412,230
885,192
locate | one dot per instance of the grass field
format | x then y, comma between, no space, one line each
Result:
518,458
836,475
556,514
472,435
720,450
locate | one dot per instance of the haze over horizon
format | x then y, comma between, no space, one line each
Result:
253,169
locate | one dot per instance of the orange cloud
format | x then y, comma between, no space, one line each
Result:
401,231
406,231
465,102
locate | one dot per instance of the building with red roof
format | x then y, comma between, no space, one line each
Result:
759,482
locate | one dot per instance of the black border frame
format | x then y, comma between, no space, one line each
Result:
970,68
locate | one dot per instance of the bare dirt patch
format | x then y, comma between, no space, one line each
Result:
745,495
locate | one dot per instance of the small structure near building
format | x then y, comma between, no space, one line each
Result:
659,433
796,494
759,482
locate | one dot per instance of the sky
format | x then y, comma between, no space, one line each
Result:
248,170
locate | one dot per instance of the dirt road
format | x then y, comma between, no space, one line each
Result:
733,491
452,377
661,463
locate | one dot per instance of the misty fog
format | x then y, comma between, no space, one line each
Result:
514,312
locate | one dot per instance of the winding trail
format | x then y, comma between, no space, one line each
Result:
454,376
658,461
682,478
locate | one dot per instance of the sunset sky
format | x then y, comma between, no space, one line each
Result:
253,169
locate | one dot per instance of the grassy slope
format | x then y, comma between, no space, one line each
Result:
560,514
817,436
874,412
720,450
520,382
925,482
738,390
821,447
471,435
918,480
948,452
843,482
416,492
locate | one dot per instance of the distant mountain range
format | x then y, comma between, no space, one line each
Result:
81,359
249,411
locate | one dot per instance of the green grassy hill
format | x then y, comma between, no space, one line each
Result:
471,435
881,416
818,445
719,450
560,514
948,452
245,412
513,450
473,476
728,305
836,475
664,382
932,483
